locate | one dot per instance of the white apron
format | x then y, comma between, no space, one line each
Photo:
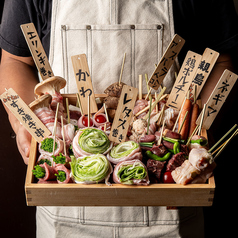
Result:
104,30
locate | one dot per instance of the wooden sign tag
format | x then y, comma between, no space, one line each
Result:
184,79
37,50
84,83
208,61
217,98
25,115
123,114
166,62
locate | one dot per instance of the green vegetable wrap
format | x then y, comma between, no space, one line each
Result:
131,172
91,169
90,141
128,150
46,146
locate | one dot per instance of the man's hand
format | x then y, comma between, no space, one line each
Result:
20,74
23,138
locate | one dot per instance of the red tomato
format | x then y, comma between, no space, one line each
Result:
167,178
100,119
85,121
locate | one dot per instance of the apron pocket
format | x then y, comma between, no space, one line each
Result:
114,216
105,46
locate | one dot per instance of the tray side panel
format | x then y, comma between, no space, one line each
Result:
119,196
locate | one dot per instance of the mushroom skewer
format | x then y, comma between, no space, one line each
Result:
52,86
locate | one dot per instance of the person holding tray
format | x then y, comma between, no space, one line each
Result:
104,30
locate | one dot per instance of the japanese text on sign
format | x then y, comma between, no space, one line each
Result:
218,97
183,80
123,114
84,83
37,50
24,114
165,63
209,58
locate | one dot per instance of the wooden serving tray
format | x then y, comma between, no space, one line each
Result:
115,195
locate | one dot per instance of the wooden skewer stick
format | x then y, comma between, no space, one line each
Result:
105,110
214,152
148,124
89,111
140,86
147,80
161,113
155,102
62,125
67,109
156,107
176,122
161,135
226,143
122,67
79,103
201,122
105,127
213,147
146,108
194,132
148,93
183,122
55,124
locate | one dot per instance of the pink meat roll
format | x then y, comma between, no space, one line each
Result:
49,172
61,167
58,142
121,170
